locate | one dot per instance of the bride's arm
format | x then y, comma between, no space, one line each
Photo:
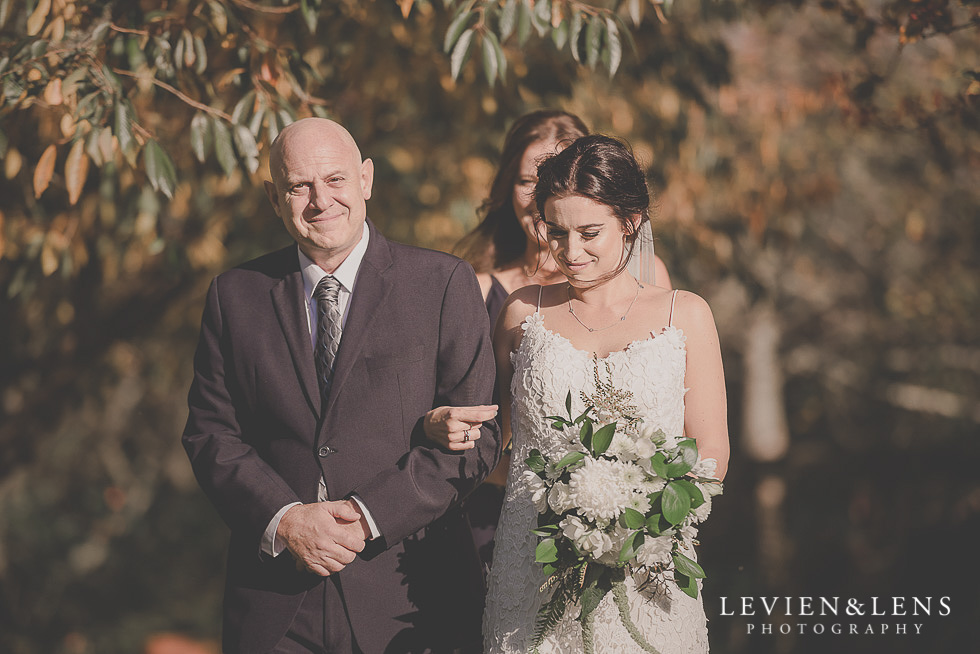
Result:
706,404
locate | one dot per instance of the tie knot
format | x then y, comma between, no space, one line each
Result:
328,288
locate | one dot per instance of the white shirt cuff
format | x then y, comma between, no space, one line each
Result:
375,532
271,543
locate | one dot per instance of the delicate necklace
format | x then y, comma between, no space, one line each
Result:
599,329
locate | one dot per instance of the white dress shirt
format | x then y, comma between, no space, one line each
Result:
346,274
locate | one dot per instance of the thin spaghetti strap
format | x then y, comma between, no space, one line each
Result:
540,290
670,318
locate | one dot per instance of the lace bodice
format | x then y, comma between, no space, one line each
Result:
546,367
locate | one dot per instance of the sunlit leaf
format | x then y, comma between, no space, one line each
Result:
508,19
200,136
36,20
559,35
44,170
455,30
460,53
593,41
123,128
76,170
489,61
573,37
223,147
159,168
246,146
613,46
523,22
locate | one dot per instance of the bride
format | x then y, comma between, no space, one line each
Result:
661,345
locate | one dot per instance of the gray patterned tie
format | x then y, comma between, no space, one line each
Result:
328,330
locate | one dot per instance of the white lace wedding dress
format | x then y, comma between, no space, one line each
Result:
546,367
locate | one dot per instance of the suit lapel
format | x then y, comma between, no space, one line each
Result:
288,298
371,288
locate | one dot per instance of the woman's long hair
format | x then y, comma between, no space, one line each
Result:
499,239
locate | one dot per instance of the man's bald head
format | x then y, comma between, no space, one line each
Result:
303,132
319,187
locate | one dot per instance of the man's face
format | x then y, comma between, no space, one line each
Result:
319,190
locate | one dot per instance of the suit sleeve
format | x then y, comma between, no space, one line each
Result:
429,480
246,491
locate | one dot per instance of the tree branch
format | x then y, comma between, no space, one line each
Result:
185,98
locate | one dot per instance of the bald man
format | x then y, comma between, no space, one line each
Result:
315,367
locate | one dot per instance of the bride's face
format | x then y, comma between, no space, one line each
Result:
586,238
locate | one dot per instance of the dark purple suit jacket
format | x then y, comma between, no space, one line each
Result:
416,337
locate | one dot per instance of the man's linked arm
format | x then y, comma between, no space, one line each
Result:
429,480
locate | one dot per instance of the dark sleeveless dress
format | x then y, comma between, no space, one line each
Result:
483,504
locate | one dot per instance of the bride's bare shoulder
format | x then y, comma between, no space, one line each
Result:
692,314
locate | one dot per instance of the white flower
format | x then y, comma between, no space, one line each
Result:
653,484
702,512
538,490
640,502
705,467
573,528
711,489
633,475
621,447
644,447
687,534
595,543
671,442
652,434
617,537
654,550
598,489
560,498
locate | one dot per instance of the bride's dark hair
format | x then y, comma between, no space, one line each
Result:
604,170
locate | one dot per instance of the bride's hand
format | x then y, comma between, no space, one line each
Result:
457,427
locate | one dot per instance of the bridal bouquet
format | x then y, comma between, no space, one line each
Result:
623,499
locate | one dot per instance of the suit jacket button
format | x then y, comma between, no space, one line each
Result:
324,452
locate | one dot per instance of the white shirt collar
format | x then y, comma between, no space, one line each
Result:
346,272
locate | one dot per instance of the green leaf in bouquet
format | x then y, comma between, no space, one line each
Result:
549,569
631,519
602,439
546,530
659,464
569,459
653,524
688,566
568,404
630,546
685,458
676,503
585,434
582,416
697,498
687,584
546,551
535,461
